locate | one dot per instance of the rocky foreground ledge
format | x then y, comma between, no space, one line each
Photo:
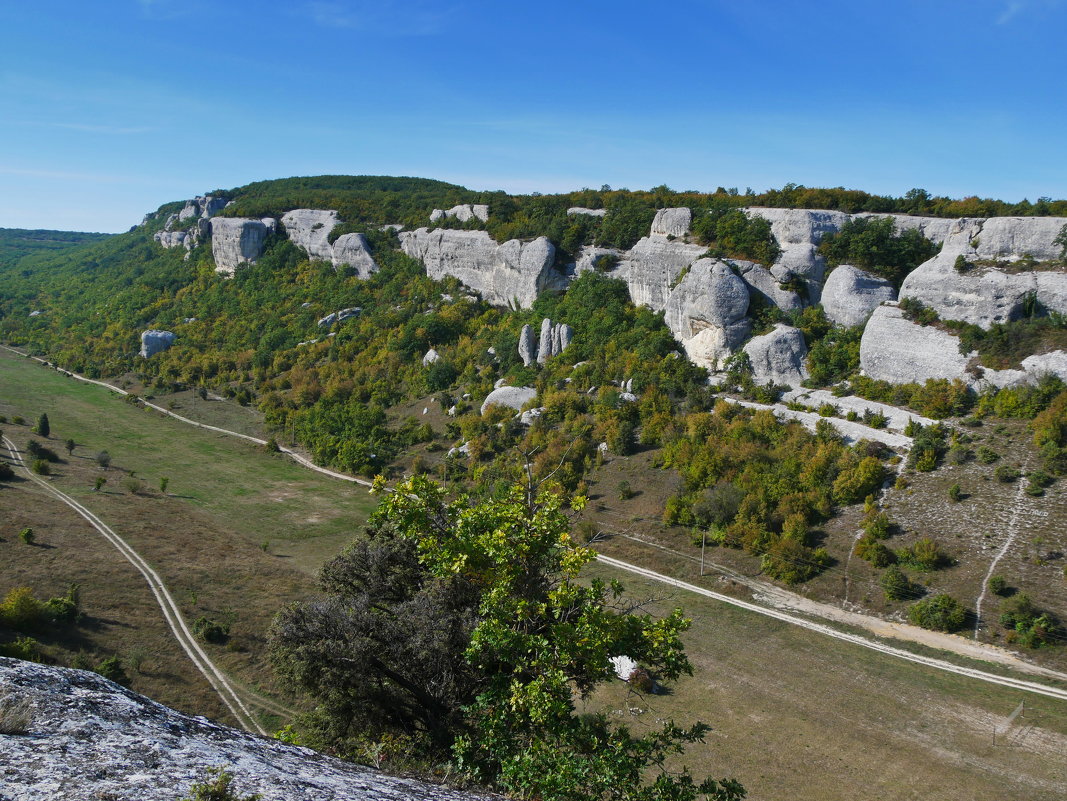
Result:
89,738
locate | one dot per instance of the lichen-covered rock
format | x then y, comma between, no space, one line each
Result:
512,273
309,229
896,350
778,357
237,240
90,739
706,312
354,250
155,341
587,212
512,397
672,222
850,295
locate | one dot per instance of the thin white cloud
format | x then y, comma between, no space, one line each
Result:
62,175
1010,11
116,130
382,17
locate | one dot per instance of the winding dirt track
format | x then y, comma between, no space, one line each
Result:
166,602
939,664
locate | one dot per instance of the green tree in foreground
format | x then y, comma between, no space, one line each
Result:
519,641
43,428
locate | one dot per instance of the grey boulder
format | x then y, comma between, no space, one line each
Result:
778,357
851,295
155,341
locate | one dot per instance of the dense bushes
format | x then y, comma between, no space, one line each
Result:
940,612
874,245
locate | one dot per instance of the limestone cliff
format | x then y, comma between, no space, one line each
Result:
238,240
512,273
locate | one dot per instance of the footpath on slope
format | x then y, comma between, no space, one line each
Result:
768,592
171,613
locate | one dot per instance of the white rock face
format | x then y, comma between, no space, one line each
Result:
850,295
587,212
310,229
91,739
154,341
897,350
237,240
353,250
652,266
544,344
339,316
430,357
987,295
591,257
706,312
672,222
463,213
778,357
799,232
763,283
512,397
512,273
527,346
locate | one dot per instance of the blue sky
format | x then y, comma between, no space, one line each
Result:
113,107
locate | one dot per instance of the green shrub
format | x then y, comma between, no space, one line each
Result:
987,455
793,563
111,668
1030,626
998,585
210,630
1006,474
896,585
217,786
41,467
875,552
6,473
925,555
27,535
941,612
626,491
955,494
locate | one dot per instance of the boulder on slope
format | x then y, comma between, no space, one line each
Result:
672,222
899,351
512,397
850,295
155,341
706,312
310,229
778,357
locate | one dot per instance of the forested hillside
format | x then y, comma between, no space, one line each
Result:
15,243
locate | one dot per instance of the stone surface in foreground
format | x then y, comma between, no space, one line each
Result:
89,738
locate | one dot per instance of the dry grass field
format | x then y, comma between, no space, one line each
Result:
237,534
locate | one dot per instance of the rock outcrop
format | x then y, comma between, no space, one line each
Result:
238,240
554,339
653,266
706,312
463,213
339,316
203,206
354,251
200,209
310,229
155,341
510,274
430,357
896,350
512,397
763,284
672,222
778,357
985,292
587,212
850,295
799,232
90,739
